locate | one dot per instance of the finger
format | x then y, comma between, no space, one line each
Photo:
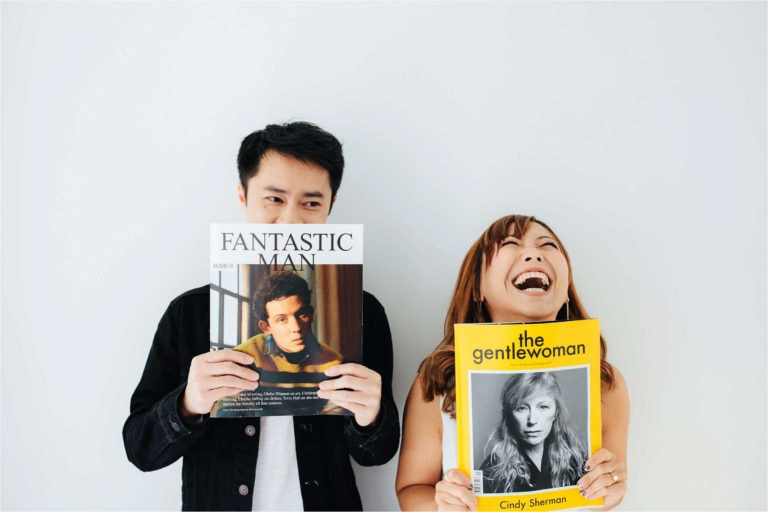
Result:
449,493
601,462
613,496
228,368
599,484
351,397
340,383
355,369
617,489
364,414
202,369
455,494
230,381
450,500
600,456
610,469
216,394
455,476
201,394
349,382
200,401
226,354
448,503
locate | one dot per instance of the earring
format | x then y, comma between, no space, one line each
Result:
269,344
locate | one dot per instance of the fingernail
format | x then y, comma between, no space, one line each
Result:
583,494
587,467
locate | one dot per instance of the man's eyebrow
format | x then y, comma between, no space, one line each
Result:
273,188
278,190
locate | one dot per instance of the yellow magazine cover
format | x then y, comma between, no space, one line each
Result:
528,411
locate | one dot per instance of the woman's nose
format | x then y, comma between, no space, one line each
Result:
531,253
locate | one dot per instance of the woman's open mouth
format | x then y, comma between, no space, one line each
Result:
534,281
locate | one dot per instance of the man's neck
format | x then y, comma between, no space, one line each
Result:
296,357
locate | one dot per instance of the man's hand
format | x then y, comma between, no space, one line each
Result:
213,376
358,389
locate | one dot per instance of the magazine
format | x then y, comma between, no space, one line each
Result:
527,411
291,295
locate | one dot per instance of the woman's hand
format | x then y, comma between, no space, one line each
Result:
454,492
606,476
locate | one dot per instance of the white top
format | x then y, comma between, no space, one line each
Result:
276,486
450,440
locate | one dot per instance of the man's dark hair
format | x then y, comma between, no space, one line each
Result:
279,286
301,140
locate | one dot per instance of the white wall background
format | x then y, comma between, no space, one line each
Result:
636,130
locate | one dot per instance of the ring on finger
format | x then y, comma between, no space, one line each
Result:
614,477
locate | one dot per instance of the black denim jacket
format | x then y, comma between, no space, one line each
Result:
220,455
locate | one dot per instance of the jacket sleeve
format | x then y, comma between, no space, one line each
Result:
377,444
154,434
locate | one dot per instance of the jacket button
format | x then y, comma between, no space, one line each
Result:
311,483
243,490
175,426
250,430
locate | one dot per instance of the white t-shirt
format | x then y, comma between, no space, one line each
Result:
276,486
450,440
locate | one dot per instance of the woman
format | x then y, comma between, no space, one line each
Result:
517,271
533,447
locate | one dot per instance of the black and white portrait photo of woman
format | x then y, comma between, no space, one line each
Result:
535,445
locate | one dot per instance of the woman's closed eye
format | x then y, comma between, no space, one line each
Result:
510,241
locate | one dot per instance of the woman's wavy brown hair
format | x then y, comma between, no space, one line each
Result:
437,370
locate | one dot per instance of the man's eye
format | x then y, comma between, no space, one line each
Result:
274,199
312,204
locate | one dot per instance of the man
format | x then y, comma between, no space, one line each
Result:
282,305
288,174
286,352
